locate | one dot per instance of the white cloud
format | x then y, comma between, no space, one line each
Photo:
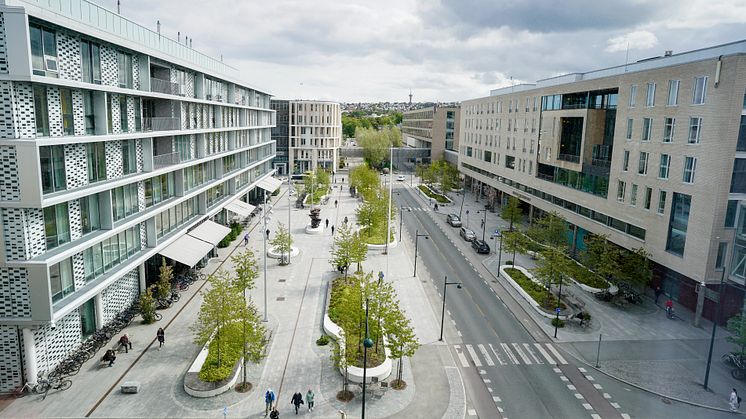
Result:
640,39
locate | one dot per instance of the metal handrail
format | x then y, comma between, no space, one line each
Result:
163,160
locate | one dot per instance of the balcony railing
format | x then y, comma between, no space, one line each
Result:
165,123
163,160
165,86
569,157
601,155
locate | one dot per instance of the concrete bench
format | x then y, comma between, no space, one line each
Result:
130,387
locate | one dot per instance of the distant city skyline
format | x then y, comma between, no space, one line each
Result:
441,51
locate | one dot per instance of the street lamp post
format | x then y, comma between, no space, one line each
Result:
500,255
416,237
467,218
264,234
289,205
714,326
484,222
443,311
559,304
463,197
367,343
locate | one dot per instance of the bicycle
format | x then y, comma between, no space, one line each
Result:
25,389
56,383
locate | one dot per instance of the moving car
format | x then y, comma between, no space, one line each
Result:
480,246
467,234
401,178
453,220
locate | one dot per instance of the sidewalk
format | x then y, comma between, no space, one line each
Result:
639,344
296,296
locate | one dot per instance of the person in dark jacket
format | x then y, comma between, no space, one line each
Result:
297,400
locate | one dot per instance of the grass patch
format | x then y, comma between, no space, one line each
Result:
230,352
315,198
540,294
587,277
438,197
375,236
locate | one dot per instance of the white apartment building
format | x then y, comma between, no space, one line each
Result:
315,134
652,154
117,145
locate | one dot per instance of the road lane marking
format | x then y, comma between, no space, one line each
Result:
472,412
499,359
474,357
607,396
587,406
486,380
598,386
486,355
530,352
461,356
521,354
546,355
578,396
571,387
497,399
615,405
509,353
556,354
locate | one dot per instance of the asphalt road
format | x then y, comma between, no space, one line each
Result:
506,373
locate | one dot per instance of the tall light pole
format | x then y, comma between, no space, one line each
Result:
484,222
443,311
500,255
264,234
367,343
714,326
289,205
463,196
557,310
388,215
416,237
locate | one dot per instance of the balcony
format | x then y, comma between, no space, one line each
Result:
161,123
572,158
165,86
164,160
601,155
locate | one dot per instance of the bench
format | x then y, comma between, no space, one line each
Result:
130,387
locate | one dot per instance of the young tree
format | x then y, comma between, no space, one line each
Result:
283,243
165,278
394,136
550,230
365,180
147,307
252,337
634,267
513,241
358,251
401,340
602,256
375,146
551,267
341,252
737,326
512,212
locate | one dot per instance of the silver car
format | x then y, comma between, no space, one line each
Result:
467,234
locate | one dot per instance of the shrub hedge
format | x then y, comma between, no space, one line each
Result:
230,352
540,294
438,197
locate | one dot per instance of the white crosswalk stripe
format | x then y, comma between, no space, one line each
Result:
503,354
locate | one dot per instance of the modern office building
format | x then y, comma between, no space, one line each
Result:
435,128
117,145
280,135
311,132
652,154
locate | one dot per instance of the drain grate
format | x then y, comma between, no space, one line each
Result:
280,298
282,280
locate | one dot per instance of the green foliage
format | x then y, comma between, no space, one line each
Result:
375,146
540,294
316,184
372,217
323,340
438,197
246,268
550,230
282,243
442,173
635,267
585,276
558,322
602,256
165,278
514,242
551,267
365,180
512,212
358,250
737,326
147,307
341,253
236,229
276,192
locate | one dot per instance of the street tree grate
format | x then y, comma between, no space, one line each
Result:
280,298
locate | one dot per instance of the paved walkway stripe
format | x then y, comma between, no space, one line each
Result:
474,357
461,356
497,355
486,355
545,354
556,354
506,348
530,352
521,354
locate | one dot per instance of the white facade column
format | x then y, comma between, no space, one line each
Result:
98,304
141,275
29,353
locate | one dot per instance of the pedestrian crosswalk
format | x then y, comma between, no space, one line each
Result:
416,209
512,353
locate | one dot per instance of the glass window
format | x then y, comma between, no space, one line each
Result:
56,225
629,128
66,104
722,251
123,113
124,67
664,166
89,213
96,153
741,145
37,50
690,166
41,111
129,157
632,95
650,97
699,90
625,162
695,130
673,92
648,197
668,129
642,166
43,51
90,117
620,191
90,62
738,178
730,213
647,127
633,195
138,115
61,280
52,164
678,223
661,202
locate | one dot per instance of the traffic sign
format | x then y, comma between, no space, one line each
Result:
557,310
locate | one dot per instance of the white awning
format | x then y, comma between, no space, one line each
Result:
187,250
241,208
210,232
269,184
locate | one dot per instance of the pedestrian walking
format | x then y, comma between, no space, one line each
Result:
346,220
343,180
269,402
327,223
161,335
335,203
297,400
734,400
267,234
332,230
246,239
309,400
481,224
658,293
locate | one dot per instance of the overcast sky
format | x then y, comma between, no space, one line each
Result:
448,50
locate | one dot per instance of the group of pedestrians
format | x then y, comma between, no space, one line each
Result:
270,407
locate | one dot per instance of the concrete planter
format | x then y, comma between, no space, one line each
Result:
381,247
433,200
526,296
274,254
305,200
202,389
355,374
315,231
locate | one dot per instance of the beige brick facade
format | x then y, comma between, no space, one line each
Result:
435,127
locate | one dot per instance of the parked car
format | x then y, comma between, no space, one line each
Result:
467,234
401,178
453,220
480,246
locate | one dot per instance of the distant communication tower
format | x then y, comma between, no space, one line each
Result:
410,98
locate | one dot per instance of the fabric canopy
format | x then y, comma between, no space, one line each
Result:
269,184
187,250
210,232
241,208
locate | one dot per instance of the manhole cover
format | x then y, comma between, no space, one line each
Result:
666,401
280,298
